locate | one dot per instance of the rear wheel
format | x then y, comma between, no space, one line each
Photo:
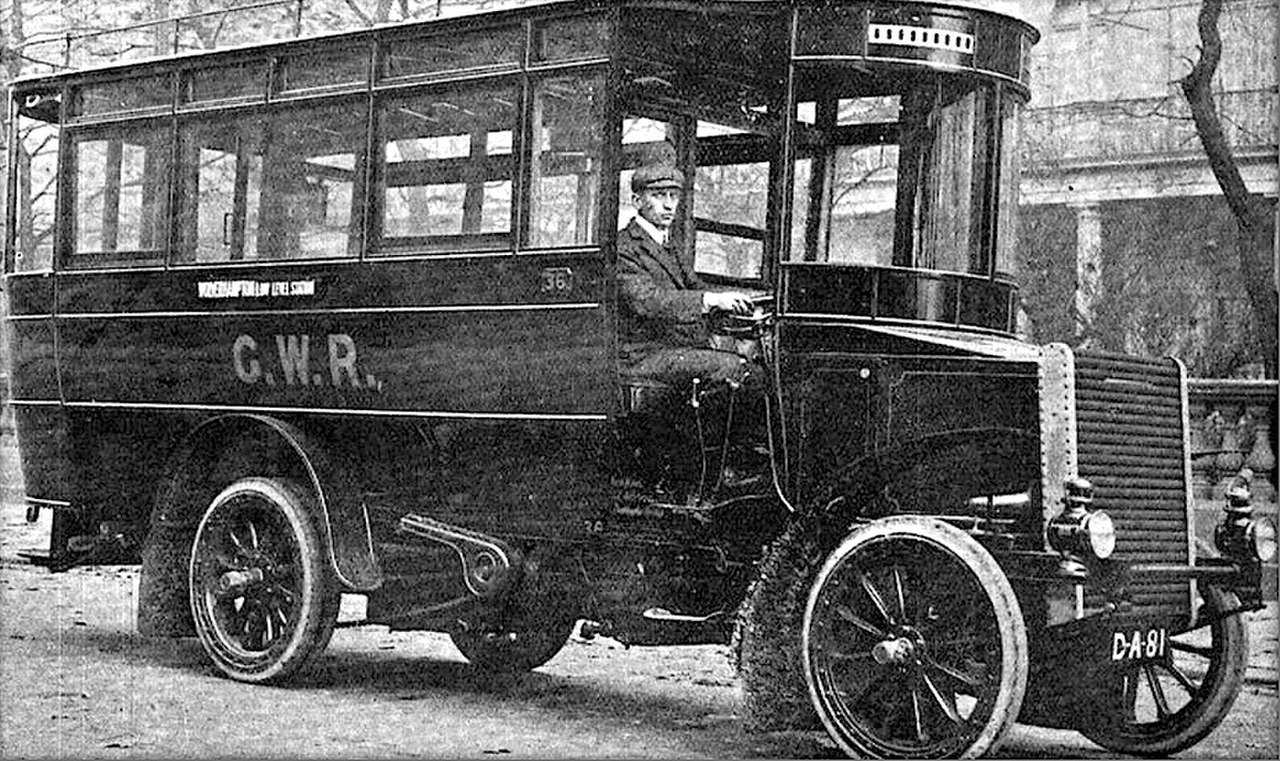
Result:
1160,708
521,646
263,596
914,643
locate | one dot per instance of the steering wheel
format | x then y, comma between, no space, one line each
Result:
737,325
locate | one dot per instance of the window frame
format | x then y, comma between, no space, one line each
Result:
266,80
281,66
596,228
746,149
949,89
66,257
380,246
357,223
387,42
755,138
14,224
525,71
73,114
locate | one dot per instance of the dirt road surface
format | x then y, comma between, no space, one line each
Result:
77,681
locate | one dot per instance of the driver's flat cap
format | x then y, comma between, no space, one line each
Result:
655,176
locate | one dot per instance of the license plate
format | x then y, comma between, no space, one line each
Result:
1139,644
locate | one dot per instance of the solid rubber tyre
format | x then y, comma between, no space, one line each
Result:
263,595
768,630
914,644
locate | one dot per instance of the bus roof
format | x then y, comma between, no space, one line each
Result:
1034,13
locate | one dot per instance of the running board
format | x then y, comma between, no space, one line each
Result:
489,565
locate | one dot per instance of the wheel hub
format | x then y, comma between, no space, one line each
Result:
232,583
894,651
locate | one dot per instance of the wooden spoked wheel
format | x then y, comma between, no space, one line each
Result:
914,643
262,594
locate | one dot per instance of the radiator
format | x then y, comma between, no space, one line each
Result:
1132,443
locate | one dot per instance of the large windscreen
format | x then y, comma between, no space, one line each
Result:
909,176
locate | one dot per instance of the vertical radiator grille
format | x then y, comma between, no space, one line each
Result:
1130,444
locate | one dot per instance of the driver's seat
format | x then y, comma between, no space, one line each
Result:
642,394
656,432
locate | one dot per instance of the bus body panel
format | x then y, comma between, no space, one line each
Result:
44,449
504,362
34,351
864,421
30,295
290,338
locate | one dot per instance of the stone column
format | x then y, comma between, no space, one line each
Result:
1088,265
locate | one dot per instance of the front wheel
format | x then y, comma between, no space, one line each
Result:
1162,707
914,645
263,596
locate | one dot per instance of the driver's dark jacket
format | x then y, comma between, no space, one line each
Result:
660,298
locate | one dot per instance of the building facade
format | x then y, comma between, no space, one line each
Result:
1128,243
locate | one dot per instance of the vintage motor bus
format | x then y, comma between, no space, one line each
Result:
338,315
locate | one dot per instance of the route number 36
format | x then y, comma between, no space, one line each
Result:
557,280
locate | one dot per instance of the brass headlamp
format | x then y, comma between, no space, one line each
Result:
1079,529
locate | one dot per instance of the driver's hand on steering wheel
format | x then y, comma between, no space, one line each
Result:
727,301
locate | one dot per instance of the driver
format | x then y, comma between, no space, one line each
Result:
662,302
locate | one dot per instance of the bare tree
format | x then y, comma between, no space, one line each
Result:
1255,217
380,12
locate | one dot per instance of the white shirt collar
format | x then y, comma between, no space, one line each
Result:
658,235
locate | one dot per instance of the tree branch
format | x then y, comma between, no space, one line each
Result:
1197,87
1255,222
356,9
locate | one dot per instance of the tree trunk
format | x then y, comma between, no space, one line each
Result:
1255,218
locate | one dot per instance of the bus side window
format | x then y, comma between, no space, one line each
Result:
449,168
37,164
730,217
220,186
567,142
311,172
119,195
280,186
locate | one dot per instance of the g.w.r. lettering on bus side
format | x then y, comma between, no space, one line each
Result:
291,364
